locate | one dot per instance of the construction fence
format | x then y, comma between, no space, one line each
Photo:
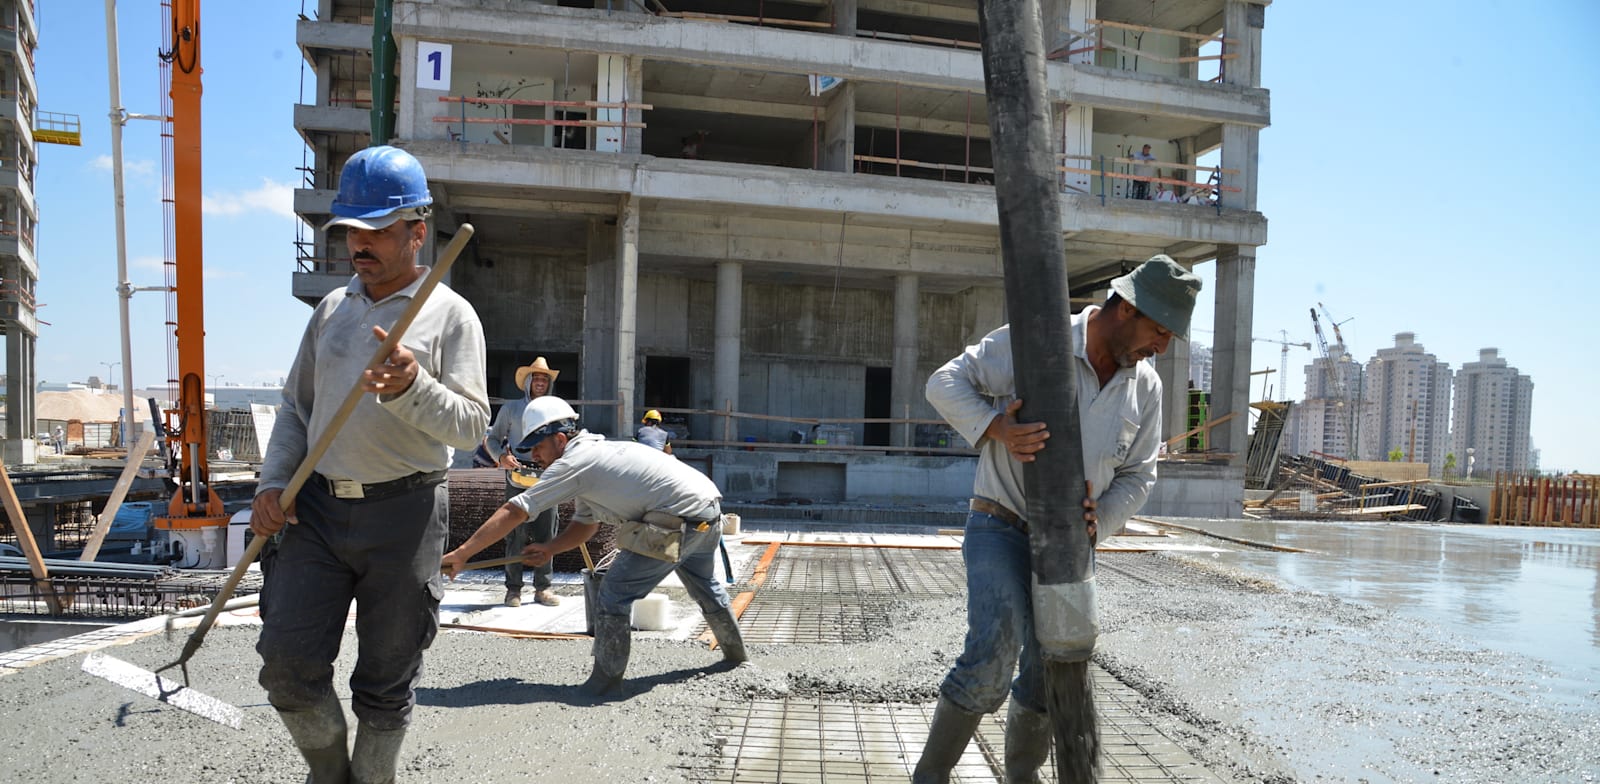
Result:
1528,499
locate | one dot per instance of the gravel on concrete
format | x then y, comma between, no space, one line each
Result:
1261,682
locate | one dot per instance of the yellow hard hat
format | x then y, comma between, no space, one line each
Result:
651,416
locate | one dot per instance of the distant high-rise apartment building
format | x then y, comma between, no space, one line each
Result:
1324,421
1493,414
19,216
1200,366
1405,405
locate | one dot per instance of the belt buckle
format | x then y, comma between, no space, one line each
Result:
347,488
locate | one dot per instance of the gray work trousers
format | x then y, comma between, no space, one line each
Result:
384,554
540,528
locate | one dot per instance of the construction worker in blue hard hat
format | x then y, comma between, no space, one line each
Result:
369,525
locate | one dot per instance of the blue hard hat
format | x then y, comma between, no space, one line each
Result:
376,185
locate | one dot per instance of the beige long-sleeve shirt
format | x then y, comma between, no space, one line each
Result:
1121,424
386,438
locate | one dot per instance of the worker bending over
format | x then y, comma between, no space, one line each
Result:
669,517
1119,407
370,524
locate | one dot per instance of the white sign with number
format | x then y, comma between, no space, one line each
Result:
433,66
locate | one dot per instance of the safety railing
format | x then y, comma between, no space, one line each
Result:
463,120
1103,36
760,19
1103,168
14,231
951,43
11,291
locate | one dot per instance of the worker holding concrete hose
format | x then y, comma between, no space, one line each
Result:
1119,399
370,523
534,380
669,519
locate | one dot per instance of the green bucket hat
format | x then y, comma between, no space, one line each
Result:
1162,290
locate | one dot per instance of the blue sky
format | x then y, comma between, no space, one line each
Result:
1422,174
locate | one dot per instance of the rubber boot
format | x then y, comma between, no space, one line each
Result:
947,739
1028,739
726,628
376,755
320,733
612,638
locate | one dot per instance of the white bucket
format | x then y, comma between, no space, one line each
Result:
730,525
653,613
1308,501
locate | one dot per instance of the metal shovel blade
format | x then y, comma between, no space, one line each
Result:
171,692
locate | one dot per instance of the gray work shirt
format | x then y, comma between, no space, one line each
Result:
385,437
617,481
507,426
653,437
1121,424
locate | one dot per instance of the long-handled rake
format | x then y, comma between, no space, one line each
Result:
181,696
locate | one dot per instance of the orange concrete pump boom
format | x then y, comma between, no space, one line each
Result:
194,505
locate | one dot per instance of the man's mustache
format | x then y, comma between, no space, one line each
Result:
365,255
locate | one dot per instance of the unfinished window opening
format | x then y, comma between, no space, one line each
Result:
921,30
813,481
876,405
668,384
924,156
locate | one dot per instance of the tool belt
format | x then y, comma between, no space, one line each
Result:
351,490
659,535
983,505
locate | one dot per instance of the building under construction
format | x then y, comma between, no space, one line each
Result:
773,220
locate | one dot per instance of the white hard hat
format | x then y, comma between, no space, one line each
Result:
543,416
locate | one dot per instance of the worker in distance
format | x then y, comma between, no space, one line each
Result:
669,519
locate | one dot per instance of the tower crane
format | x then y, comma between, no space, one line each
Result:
1283,360
1331,364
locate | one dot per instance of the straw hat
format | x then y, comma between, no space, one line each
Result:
538,366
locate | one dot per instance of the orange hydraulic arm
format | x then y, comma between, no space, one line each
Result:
194,504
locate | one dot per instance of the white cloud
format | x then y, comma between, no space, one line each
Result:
146,263
136,168
276,198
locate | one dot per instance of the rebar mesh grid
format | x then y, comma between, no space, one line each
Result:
806,740
874,570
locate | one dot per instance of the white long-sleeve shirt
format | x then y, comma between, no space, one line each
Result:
1121,424
385,438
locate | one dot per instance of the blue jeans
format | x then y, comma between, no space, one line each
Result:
999,622
632,576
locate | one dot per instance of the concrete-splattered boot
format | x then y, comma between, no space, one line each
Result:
1028,739
377,754
321,735
947,739
729,639
612,638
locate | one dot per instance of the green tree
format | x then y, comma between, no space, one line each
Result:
1449,465
1397,455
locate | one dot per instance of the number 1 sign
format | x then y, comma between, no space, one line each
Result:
433,66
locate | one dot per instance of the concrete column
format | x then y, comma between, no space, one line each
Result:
725,358
839,129
600,324
1060,18
633,138
1173,367
1242,22
1230,354
905,386
1185,157
1077,139
844,17
20,416
627,283
1240,148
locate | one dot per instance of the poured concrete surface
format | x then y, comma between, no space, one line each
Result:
1228,676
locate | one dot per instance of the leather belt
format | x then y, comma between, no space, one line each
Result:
351,490
995,510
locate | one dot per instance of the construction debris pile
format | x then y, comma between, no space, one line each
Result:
1310,488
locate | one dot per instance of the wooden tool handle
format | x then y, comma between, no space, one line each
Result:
325,440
